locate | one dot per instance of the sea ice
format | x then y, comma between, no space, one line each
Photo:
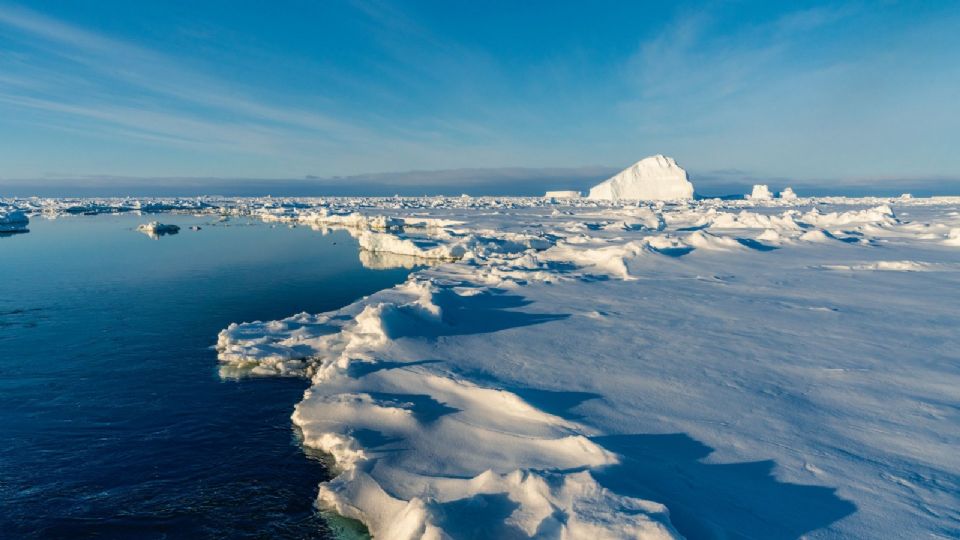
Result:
155,229
787,194
760,193
13,221
776,368
562,195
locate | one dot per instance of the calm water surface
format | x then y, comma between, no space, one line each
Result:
114,422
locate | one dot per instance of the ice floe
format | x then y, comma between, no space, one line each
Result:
155,229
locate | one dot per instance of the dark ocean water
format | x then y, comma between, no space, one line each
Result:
114,422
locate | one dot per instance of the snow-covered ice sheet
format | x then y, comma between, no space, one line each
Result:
716,369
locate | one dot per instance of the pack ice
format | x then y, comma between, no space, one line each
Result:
589,369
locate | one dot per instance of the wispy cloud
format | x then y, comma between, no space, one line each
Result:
73,72
812,93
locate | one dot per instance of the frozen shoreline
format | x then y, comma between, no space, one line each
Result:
766,368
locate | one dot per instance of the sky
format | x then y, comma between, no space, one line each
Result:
835,93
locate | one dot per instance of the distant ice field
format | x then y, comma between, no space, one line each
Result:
572,368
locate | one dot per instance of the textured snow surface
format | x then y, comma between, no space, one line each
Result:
654,178
712,369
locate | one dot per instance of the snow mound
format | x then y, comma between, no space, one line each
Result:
752,220
760,193
879,215
653,178
13,221
953,238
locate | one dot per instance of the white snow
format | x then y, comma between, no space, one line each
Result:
777,368
562,194
788,194
953,237
653,178
760,193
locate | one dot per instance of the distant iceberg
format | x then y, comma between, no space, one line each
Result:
13,221
760,193
653,178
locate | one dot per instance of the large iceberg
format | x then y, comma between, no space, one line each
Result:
653,178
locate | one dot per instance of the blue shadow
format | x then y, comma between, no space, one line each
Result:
710,500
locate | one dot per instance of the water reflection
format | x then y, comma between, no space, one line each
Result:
383,261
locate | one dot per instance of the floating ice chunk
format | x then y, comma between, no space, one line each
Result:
426,249
13,221
653,178
760,193
155,229
752,220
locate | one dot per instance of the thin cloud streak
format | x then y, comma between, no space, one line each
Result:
268,129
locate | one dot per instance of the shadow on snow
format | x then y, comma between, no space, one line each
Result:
716,500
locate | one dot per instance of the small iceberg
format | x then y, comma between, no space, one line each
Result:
155,229
788,194
13,221
760,193
564,194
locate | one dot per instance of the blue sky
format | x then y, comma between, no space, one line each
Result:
840,92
